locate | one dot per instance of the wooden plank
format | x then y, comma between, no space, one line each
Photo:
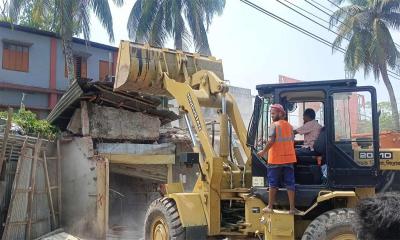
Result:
32,187
49,195
169,174
6,133
101,198
107,193
26,222
85,119
140,159
13,194
59,181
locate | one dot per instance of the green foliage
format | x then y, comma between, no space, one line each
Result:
3,10
385,119
366,24
33,16
33,126
67,18
155,21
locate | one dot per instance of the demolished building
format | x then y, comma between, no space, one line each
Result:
116,150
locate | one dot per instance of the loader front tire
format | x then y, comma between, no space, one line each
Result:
332,225
162,221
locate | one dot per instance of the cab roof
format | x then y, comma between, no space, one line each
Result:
265,89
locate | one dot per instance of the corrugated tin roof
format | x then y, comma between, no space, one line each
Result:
101,92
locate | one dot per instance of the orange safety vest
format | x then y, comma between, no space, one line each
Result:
282,151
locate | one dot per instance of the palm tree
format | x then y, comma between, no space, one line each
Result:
69,18
366,24
3,9
155,21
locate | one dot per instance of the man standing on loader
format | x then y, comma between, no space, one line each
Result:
281,157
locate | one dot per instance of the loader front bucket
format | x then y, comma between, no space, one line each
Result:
140,67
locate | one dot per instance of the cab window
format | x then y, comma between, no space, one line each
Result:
353,128
295,115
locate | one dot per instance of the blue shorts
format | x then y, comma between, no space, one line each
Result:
275,173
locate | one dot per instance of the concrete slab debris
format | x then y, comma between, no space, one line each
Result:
60,236
132,148
113,123
102,93
74,124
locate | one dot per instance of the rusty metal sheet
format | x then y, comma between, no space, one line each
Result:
102,93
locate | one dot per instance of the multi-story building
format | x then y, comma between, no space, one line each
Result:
33,70
32,66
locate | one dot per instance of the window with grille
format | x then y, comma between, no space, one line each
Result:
104,70
15,57
80,67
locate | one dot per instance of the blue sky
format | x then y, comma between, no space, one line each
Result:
255,49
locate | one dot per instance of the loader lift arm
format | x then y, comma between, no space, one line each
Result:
194,82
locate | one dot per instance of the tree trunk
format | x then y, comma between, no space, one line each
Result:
69,59
178,42
205,47
393,102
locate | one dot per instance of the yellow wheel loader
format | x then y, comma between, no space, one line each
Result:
229,195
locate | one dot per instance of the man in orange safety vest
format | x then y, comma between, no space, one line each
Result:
281,157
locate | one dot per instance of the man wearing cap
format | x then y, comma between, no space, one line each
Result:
281,157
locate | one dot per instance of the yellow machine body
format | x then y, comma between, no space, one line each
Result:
389,158
196,81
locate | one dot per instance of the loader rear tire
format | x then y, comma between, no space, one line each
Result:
162,221
332,225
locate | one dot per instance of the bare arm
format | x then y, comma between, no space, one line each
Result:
270,142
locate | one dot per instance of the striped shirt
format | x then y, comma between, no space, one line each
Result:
311,131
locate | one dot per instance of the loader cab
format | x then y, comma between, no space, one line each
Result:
350,140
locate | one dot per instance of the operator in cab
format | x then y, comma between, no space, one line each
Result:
281,157
311,130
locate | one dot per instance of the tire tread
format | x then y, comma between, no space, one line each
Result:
320,226
167,208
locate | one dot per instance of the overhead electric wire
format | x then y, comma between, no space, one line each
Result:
312,20
319,4
298,28
322,10
391,73
304,10
290,24
329,14
334,4
340,8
